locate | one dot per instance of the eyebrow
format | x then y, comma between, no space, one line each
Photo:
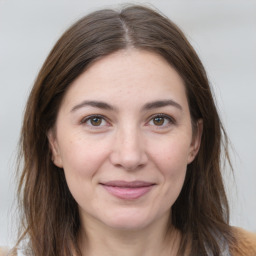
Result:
161,103
95,104
147,106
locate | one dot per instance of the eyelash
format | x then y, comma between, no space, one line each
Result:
88,118
170,120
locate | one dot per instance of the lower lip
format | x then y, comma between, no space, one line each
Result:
128,193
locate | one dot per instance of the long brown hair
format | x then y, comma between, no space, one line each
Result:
50,214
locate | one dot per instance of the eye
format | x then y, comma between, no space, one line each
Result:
161,120
94,121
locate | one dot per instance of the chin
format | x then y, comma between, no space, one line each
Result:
128,220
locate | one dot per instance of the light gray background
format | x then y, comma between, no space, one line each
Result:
224,35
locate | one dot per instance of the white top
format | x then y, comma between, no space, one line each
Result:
19,253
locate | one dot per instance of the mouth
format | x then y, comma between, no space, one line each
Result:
128,190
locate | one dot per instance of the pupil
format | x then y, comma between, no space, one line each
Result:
158,120
96,121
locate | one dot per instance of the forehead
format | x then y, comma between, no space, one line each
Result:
133,75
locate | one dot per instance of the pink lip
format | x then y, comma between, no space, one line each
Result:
128,190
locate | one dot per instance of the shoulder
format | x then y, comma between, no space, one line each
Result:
5,251
245,244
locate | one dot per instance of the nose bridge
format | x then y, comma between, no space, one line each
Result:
130,139
129,149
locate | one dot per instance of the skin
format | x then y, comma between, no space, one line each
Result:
132,140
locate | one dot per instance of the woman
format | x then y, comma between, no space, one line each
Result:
121,144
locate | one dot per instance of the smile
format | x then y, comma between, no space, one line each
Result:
128,190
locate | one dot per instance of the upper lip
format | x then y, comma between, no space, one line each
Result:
128,184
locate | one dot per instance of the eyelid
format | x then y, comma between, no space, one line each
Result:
168,117
87,118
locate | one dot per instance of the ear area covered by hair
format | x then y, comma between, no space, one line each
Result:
56,157
196,140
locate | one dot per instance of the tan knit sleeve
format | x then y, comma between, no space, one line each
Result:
245,245
4,251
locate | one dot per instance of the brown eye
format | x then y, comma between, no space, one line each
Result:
161,121
158,120
95,121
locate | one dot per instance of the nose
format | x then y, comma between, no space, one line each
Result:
128,151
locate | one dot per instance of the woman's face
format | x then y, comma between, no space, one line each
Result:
123,136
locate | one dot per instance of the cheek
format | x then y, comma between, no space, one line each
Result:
82,157
171,154
81,163
170,158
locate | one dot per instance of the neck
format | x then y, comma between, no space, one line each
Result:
152,240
